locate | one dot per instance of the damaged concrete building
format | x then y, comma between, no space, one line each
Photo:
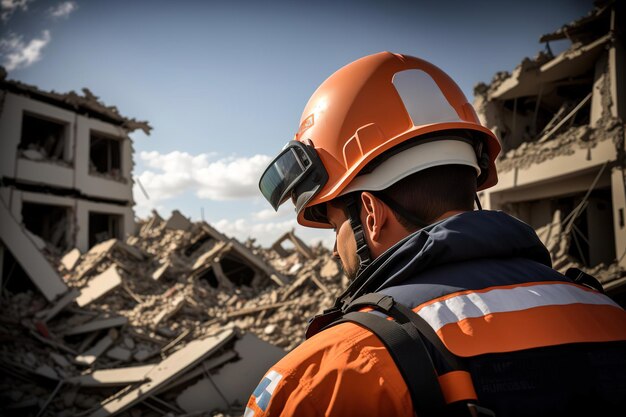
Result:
561,123
65,166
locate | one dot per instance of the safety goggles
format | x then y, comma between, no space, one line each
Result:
296,173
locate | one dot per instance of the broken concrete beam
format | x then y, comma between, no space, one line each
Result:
166,371
89,357
97,324
70,259
207,257
67,299
300,247
113,377
177,222
34,263
99,286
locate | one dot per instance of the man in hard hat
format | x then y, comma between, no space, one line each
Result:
450,310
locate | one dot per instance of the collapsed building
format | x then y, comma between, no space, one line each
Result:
176,319
560,120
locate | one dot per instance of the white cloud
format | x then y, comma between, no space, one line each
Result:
267,233
224,179
269,214
18,54
8,7
63,9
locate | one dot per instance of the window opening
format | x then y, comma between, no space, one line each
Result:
49,222
105,156
104,226
42,138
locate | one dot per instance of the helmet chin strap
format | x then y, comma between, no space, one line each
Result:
362,250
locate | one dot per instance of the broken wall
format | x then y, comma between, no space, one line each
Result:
561,121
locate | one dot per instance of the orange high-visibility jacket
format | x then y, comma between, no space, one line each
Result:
535,343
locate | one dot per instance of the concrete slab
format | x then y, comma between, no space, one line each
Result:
97,324
113,377
99,286
89,357
235,380
70,259
166,371
41,273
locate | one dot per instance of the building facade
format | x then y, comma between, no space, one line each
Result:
65,166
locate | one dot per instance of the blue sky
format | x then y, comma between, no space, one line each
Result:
223,83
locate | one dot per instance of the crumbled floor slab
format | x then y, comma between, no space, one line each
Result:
166,371
99,286
122,376
227,386
70,259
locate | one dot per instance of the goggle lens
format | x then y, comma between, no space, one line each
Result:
281,176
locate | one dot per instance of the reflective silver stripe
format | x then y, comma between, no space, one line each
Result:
502,300
423,98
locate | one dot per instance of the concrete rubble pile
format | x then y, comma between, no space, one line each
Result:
178,319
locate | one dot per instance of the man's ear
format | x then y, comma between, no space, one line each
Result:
375,213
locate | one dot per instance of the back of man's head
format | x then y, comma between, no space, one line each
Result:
430,193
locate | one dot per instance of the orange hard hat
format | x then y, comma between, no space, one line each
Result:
366,110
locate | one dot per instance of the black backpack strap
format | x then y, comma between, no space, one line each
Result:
404,337
402,314
410,354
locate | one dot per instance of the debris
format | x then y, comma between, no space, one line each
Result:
232,381
70,259
166,371
99,286
58,306
298,244
90,356
125,317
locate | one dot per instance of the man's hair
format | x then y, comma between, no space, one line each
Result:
430,193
